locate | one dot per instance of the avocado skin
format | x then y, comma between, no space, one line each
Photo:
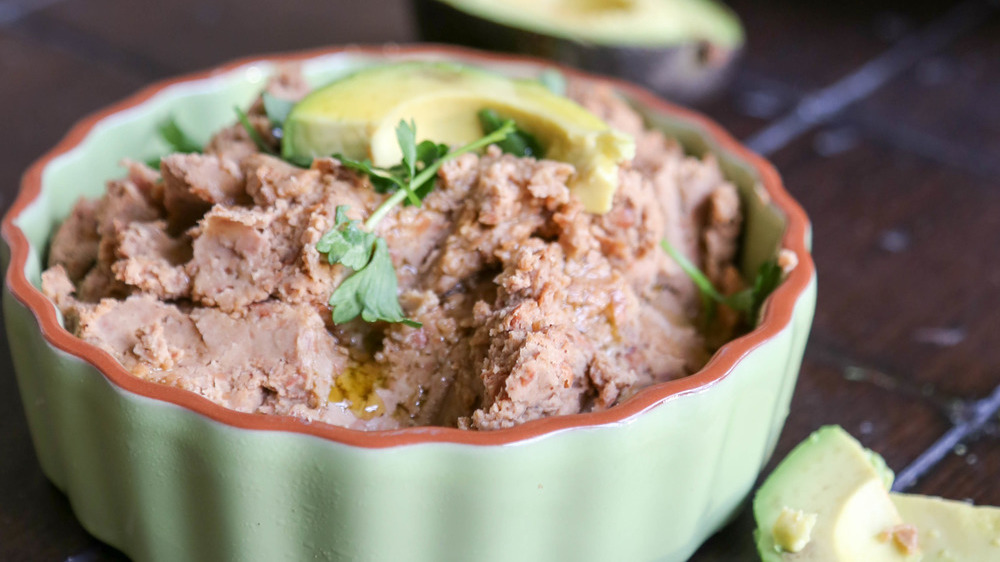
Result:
690,73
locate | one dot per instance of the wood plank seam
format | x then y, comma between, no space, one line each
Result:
982,412
11,11
925,145
867,371
824,104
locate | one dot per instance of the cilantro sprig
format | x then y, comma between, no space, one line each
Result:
277,110
176,139
371,291
748,302
252,132
518,143
410,175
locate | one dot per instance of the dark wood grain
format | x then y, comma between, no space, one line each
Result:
943,104
184,35
901,426
45,90
905,273
809,45
749,104
901,189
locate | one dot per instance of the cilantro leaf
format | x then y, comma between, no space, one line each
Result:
346,243
768,278
748,301
427,174
277,111
252,132
518,143
383,180
406,135
176,139
416,157
428,152
370,292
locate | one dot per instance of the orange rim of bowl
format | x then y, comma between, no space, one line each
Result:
777,314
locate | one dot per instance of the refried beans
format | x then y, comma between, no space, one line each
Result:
204,275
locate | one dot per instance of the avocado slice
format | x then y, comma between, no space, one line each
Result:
684,49
829,501
832,479
951,531
357,116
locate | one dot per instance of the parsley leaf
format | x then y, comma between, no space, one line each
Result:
406,135
176,139
252,132
768,278
748,301
428,152
371,291
383,180
518,143
277,111
427,174
346,243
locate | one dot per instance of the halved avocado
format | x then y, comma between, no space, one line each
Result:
832,479
357,117
829,501
951,531
684,49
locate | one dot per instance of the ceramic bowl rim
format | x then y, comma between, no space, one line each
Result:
777,314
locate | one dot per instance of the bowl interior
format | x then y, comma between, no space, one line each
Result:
204,105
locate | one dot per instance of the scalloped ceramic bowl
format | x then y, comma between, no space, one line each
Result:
163,474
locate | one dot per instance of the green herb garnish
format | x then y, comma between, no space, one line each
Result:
518,143
409,174
277,111
252,132
371,290
176,139
747,302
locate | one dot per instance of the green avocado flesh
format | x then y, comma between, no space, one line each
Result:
829,501
831,476
951,531
640,23
357,117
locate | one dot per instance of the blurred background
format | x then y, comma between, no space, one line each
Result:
882,116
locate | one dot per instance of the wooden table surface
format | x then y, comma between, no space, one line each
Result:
882,116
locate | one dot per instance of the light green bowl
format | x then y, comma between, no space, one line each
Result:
163,474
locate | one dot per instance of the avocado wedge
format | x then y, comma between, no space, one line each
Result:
685,50
829,501
951,531
831,477
357,117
